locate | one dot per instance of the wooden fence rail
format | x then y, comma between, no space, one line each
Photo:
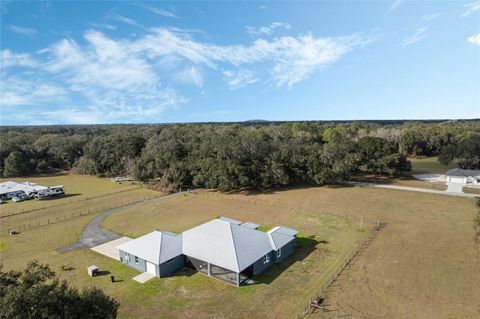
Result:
320,295
67,217
23,211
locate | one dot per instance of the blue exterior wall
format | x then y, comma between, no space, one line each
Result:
171,266
286,250
259,266
141,266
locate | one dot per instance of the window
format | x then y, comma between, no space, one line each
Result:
127,257
279,252
136,259
266,259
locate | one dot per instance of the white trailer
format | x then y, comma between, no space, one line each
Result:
50,191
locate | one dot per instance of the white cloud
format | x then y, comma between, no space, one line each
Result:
474,39
419,35
393,6
190,75
429,17
29,32
267,30
11,59
126,20
471,7
19,91
103,26
118,83
158,11
290,59
123,79
239,79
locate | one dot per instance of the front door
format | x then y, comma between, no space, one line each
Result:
151,268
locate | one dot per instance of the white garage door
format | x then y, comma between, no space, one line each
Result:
456,179
151,268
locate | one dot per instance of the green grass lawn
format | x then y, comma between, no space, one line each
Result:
84,194
429,165
472,190
324,243
77,188
420,230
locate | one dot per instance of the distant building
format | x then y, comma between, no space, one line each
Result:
11,189
223,248
463,176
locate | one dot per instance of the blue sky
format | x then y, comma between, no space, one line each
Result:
65,62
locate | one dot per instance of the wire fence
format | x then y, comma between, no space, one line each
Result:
23,211
73,215
316,303
285,207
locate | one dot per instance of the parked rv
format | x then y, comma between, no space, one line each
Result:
50,191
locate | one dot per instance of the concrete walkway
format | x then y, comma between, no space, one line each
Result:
94,234
455,187
411,189
143,277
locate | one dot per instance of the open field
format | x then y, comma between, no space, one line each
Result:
77,188
471,190
423,264
425,260
288,285
83,194
425,165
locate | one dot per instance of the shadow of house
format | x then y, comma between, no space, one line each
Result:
306,245
60,196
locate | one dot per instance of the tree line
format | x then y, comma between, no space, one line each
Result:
232,156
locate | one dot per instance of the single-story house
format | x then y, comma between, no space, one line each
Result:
159,253
222,248
463,176
11,189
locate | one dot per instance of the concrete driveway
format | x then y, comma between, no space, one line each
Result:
109,249
94,234
455,188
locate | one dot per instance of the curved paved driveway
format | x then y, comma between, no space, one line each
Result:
412,189
94,234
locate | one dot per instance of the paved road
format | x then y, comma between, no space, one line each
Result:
94,235
412,189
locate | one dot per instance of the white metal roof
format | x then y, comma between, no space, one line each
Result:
155,247
285,230
230,220
250,225
8,187
226,244
463,172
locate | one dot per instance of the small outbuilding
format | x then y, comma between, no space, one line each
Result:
463,176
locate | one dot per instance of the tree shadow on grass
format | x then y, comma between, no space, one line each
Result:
306,245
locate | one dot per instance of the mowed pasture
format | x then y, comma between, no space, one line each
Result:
83,194
429,165
422,264
324,243
421,165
